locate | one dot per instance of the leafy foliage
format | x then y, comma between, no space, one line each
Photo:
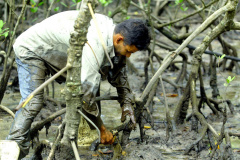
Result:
181,4
105,2
3,32
228,80
56,9
76,1
35,8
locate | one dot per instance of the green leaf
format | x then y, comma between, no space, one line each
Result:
128,17
41,3
4,30
6,34
233,78
109,13
185,9
63,4
222,56
56,9
73,5
1,24
76,1
169,26
105,2
33,2
229,78
178,1
228,81
34,10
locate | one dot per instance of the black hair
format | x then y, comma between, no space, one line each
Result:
135,32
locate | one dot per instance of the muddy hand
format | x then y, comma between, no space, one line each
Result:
127,110
106,136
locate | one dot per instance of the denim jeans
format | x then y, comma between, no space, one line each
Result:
30,77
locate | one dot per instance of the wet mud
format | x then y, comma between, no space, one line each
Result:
154,145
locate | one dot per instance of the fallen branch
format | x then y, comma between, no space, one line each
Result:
39,125
234,134
7,110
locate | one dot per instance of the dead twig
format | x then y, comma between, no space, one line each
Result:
54,146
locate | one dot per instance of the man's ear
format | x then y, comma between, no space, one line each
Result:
119,39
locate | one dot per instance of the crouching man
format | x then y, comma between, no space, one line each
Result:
42,50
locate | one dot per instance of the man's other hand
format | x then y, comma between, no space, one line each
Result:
127,110
106,136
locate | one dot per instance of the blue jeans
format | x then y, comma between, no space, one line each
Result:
31,75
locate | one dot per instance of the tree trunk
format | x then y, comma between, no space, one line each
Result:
73,95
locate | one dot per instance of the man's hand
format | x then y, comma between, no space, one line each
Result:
127,110
106,136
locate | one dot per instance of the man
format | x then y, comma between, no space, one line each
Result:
41,50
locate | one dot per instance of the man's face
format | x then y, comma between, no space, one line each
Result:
121,49
125,50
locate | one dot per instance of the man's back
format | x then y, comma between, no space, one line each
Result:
49,41
53,34
47,34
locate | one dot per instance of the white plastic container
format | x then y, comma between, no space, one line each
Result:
9,150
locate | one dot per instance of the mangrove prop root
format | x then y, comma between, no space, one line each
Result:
230,105
222,134
202,134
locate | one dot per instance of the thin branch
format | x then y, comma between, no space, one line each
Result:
190,15
60,134
50,8
11,40
39,125
10,7
7,110
75,150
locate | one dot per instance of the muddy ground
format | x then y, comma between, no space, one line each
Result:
155,146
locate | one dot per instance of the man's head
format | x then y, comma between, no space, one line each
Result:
130,36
